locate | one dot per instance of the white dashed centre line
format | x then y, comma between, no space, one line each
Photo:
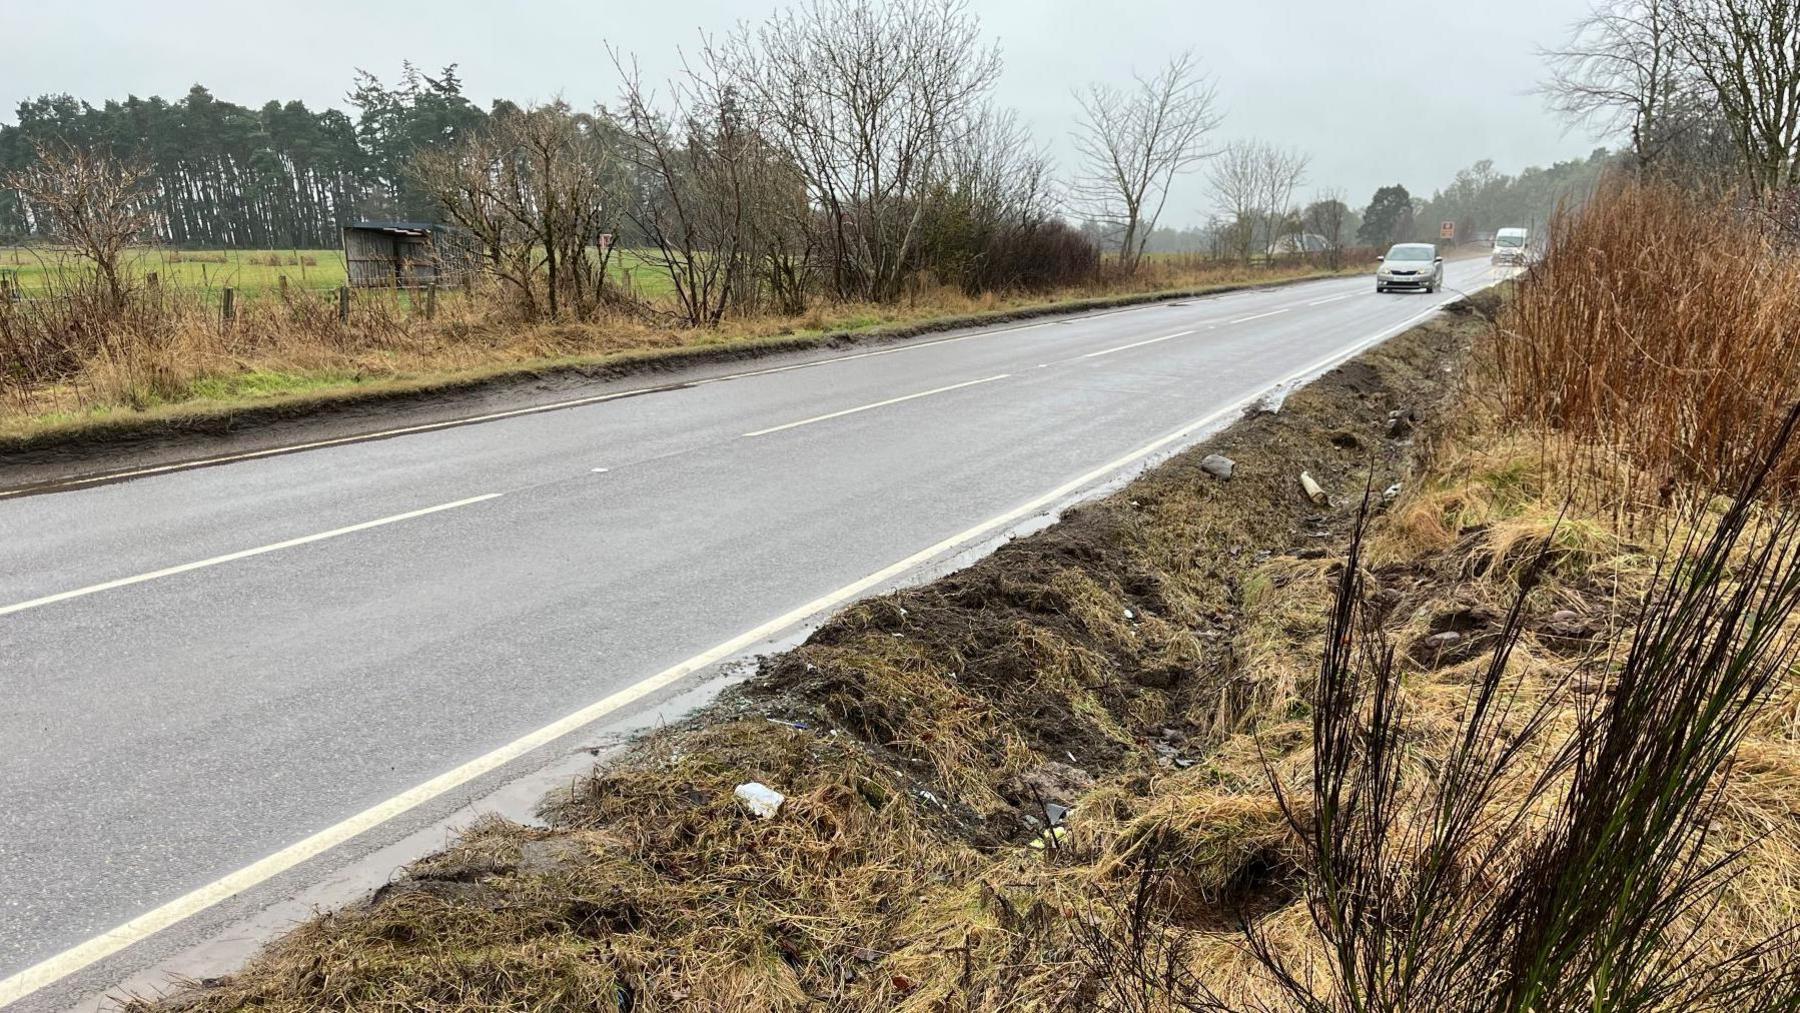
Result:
241,554
1259,316
877,404
1137,344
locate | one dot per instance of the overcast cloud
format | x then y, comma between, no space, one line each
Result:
1372,101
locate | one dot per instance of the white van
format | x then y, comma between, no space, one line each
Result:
1510,246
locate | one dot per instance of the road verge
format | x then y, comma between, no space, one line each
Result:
925,745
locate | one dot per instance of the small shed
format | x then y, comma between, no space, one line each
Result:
404,255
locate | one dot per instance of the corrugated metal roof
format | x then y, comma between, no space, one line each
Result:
411,228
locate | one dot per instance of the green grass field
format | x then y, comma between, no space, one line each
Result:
253,272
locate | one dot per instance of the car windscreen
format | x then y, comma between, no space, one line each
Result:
1412,251
1509,241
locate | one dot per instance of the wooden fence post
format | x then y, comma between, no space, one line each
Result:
343,304
228,305
431,301
284,291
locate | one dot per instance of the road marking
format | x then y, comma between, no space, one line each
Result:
877,404
909,346
1334,298
76,482
1258,316
599,471
1137,344
79,592
106,944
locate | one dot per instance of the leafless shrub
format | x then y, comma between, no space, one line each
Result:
1133,142
536,189
866,101
93,205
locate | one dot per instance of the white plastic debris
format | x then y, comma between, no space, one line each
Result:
1313,490
762,800
1130,614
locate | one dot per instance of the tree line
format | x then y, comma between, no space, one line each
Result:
840,149
1705,93
222,174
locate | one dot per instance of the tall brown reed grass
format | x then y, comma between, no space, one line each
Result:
1662,328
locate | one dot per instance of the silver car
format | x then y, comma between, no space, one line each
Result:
1410,265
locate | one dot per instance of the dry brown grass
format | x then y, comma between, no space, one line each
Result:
919,739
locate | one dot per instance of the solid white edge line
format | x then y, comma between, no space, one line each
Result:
877,404
1258,316
228,557
151,922
1136,344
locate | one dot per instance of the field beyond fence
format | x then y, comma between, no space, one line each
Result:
38,271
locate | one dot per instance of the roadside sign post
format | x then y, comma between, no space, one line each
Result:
1446,230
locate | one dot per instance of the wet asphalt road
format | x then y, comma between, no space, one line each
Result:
161,733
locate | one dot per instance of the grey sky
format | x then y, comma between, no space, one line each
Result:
1373,101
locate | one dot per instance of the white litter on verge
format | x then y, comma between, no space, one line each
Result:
762,800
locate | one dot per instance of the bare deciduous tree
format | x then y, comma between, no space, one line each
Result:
866,99
92,203
1237,181
1255,182
1134,142
1280,171
1325,218
1621,71
693,207
536,188
1748,53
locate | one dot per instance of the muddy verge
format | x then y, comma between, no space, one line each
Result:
929,752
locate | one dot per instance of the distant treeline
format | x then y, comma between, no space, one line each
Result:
282,175
1481,199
